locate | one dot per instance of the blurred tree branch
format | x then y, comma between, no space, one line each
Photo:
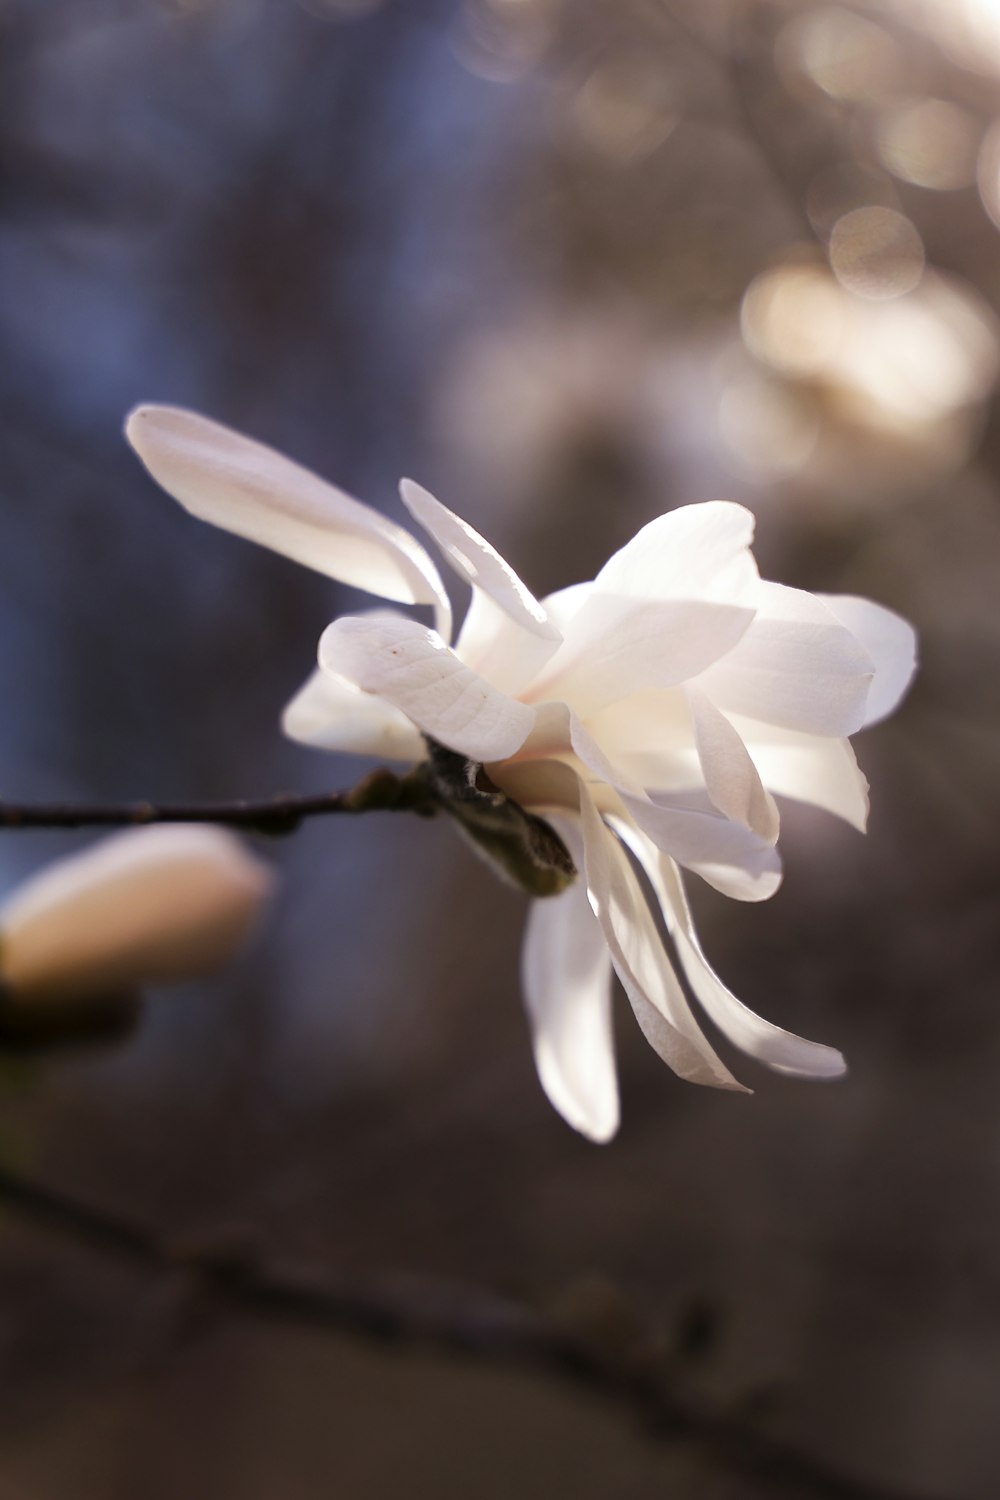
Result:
379,791
452,1319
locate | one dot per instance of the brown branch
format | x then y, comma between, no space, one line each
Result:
457,1320
382,790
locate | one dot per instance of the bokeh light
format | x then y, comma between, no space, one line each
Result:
840,52
929,142
876,252
626,108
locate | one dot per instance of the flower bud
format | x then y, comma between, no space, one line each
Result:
150,905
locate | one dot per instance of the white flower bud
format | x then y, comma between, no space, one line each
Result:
149,905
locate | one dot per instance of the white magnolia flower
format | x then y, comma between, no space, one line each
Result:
654,710
149,905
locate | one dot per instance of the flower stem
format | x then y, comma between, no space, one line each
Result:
380,791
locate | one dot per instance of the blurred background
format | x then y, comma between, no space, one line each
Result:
569,263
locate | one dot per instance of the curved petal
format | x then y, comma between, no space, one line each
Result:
477,561
694,552
796,666
616,646
809,768
566,975
731,778
640,959
329,713
727,855
254,492
780,1050
411,668
890,642
493,645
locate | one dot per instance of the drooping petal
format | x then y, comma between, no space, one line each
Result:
779,1049
808,768
477,561
694,552
640,959
616,646
150,905
328,713
411,668
566,974
254,492
731,778
796,666
890,642
728,855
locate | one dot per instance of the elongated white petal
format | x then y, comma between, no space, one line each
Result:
249,489
328,713
566,975
616,646
731,778
796,666
491,644
149,905
779,1049
641,961
564,605
689,553
649,737
808,768
890,642
411,668
477,561
729,856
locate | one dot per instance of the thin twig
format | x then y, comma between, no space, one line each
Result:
382,790
456,1320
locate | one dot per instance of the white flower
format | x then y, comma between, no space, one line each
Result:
149,905
655,710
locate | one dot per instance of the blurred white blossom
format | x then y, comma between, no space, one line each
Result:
149,905
653,711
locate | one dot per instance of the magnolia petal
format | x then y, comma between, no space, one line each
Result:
731,778
558,734
687,553
329,713
501,651
564,605
566,975
796,666
649,737
151,905
808,768
780,1050
411,668
640,959
590,753
616,646
512,659
477,561
249,489
890,642
729,856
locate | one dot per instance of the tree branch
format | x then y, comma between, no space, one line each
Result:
380,791
456,1320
